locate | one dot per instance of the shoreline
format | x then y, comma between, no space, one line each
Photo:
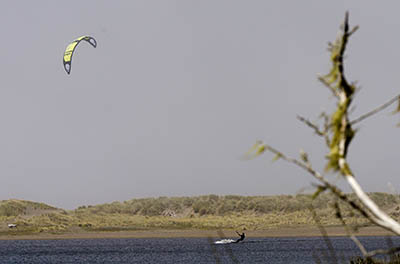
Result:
170,233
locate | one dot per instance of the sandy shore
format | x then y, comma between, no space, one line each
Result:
281,232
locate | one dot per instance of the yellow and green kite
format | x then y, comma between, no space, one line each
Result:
69,51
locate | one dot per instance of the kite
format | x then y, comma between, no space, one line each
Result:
69,51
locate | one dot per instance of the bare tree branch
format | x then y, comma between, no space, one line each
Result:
336,191
326,184
338,133
343,132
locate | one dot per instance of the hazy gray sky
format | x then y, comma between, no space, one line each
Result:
177,91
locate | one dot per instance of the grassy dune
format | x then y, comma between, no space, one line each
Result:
203,212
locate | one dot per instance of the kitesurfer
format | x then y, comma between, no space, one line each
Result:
241,238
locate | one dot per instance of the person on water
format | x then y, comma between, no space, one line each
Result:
242,236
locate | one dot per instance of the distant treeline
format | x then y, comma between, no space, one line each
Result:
225,205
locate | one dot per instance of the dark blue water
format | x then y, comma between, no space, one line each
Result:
184,250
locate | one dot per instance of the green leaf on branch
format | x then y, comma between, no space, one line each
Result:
257,149
398,107
320,189
304,156
277,156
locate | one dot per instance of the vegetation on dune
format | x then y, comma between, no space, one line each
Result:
19,207
222,205
202,212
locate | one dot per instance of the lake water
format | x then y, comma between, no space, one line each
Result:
184,250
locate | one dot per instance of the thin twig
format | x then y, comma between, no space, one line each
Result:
310,124
322,133
348,231
383,251
332,89
228,248
353,30
214,250
376,110
324,235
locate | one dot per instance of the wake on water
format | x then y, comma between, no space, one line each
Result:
224,241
